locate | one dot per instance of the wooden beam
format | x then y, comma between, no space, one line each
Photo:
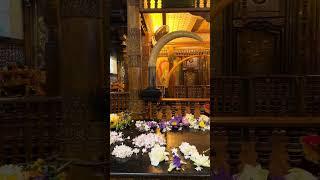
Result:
164,18
271,121
197,25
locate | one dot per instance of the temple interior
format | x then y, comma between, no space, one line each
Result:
160,89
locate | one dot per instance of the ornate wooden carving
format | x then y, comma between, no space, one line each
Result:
81,8
258,46
11,54
168,113
259,8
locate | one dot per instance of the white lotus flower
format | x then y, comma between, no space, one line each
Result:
187,149
157,155
200,160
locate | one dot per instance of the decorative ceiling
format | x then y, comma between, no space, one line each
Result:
176,22
180,21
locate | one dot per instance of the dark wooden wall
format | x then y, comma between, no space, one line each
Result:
269,37
266,58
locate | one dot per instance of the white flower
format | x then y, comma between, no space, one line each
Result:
157,155
128,137
122,151
144,150
200,160
174,151
115,137
136,150
190,151
187,149
191,119
204,118
148,140
198,168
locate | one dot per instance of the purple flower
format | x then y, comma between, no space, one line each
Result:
176,161
162,125
175,121
151,124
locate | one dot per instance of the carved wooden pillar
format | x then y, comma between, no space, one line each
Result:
82,76
52,47
146,49
134,56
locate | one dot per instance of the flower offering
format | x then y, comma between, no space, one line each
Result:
122,151
157,155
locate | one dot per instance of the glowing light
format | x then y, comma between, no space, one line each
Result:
153,4
156,19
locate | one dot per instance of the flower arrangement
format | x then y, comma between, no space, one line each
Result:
148,141
122,151
158,154
175,123
176,162
115,137
120,121
146,125
190,151
189,120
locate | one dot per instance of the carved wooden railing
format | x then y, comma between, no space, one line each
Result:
266,96
275,143
174,6
197,91
168,107
119,101
29,128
